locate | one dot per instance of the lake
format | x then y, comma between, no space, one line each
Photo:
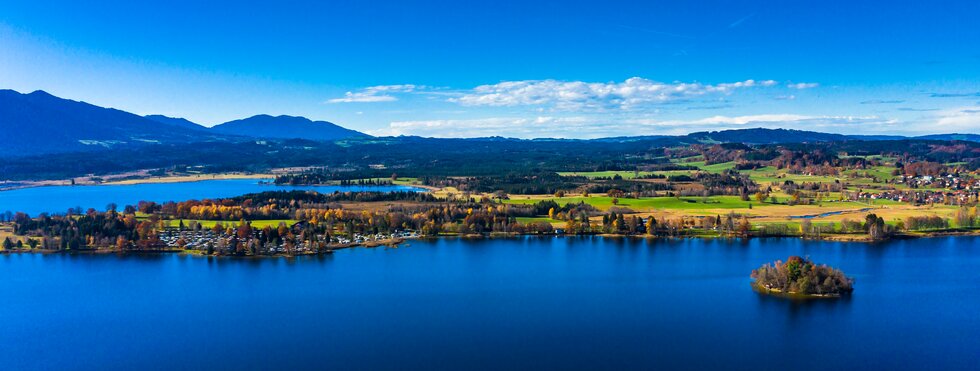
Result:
527,303
58,199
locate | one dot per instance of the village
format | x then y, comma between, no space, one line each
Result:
257,243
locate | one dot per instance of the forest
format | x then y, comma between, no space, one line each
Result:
479,157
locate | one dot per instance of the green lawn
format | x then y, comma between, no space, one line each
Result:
717,168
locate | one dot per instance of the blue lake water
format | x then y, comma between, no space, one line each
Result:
58,199
526,303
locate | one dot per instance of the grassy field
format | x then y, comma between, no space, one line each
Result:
829,211
769,174
7,231
529,220
764,176
717,168
880,172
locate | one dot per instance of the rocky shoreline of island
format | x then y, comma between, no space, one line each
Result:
799,277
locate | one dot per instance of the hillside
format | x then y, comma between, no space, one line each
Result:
966,137
176,121
766,136
39,122
286,127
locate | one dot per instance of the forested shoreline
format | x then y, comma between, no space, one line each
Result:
300,222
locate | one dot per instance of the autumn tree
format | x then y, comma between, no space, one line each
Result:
651,225
875,226
744,227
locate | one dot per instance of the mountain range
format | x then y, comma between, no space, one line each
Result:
40,123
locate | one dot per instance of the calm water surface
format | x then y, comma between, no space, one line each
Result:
527,303
58,199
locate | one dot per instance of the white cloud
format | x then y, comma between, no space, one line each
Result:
514,127
351,97
959,120
803,85
601,126
380,93
832,124
578,95
556,95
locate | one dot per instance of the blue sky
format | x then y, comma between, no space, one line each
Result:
548,69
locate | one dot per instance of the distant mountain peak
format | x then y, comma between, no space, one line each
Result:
287,127
39,122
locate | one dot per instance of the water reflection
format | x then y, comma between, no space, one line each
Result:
801,308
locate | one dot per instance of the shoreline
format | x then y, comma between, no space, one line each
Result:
396,242
330,250
791,295
189,178
128,179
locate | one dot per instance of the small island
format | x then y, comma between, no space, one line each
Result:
800,278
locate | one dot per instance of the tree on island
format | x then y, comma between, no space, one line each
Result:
876,227
801,276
